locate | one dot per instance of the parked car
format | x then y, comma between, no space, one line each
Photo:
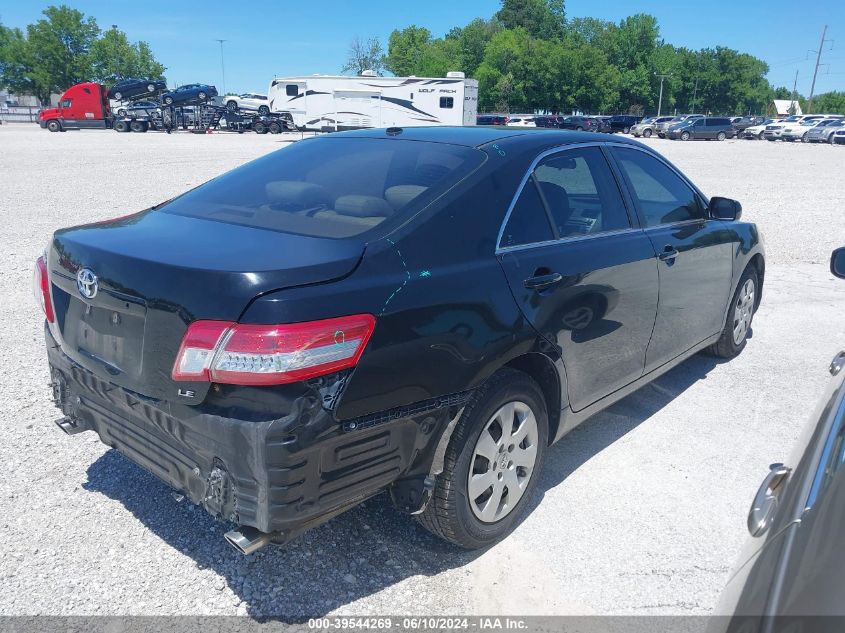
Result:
757,131
661,128
623,122
838,137
648,126
547,120
308,347
708,128
798,131
248,101
792,568
774,131
521,120
129,88
491,119
189,93
603,124
743,123
825,133
579,123
139,108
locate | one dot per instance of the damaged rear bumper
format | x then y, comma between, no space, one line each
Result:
274,460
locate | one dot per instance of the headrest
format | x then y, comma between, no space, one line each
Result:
400,195
305,194
362,206
555,195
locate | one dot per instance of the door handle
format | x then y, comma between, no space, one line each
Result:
541,282
669,253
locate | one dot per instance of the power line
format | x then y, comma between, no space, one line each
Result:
222,65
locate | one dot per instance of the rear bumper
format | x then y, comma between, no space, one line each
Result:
280,475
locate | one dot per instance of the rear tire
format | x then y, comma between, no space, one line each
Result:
483,429
232,106
626,130
138,126
740,314
260,128
274,128
721,136
121,126
118,96
202,96
168,101
263,110
151,87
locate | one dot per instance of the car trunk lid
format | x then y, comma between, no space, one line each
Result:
157,272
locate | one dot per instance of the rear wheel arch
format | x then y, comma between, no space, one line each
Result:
542,370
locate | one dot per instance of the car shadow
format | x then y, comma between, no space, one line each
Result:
366,549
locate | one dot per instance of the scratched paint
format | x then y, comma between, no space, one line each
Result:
404,281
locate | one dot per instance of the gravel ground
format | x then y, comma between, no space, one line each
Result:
640,510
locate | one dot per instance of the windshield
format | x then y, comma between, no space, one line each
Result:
332,187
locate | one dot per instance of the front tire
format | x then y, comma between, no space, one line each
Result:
264,110
232,106
202,96
118,96
54,126
646,133
492,462
685,136
626,130
740,313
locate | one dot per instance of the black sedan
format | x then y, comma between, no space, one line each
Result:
792,569
189,93
422,310
579,123
131,88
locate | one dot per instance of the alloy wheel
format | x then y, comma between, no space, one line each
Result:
743,311
502,462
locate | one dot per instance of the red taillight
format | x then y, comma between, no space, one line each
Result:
247,354
41,289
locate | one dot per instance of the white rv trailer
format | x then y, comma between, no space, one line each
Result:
325,102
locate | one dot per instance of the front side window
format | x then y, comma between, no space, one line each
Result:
65,103
661,195
331,187
581,193
291,90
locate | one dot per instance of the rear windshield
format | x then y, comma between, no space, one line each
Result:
332,187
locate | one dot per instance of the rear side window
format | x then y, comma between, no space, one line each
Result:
447,102
528,222
581,193
331,187
661,195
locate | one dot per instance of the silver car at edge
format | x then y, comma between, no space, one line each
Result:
824,131
792,568
647,127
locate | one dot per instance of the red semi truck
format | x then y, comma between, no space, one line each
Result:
81,106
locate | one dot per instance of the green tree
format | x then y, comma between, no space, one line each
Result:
405,50
543,19
58,48
830,103
65,48
113,57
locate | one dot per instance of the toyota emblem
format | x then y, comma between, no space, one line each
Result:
86,283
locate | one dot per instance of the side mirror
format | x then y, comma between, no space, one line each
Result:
837,263
725,209
765,504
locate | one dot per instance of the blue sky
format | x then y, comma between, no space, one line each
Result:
278,39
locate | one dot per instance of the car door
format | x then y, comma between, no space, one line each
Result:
584,274
695,254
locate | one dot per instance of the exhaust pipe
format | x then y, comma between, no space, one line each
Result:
70,426
247,539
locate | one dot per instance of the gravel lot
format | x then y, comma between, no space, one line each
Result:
641,510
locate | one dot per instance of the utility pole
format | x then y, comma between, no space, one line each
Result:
793,106
694,94
816,71
222,65
660,100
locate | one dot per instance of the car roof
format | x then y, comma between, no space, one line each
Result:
471,136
